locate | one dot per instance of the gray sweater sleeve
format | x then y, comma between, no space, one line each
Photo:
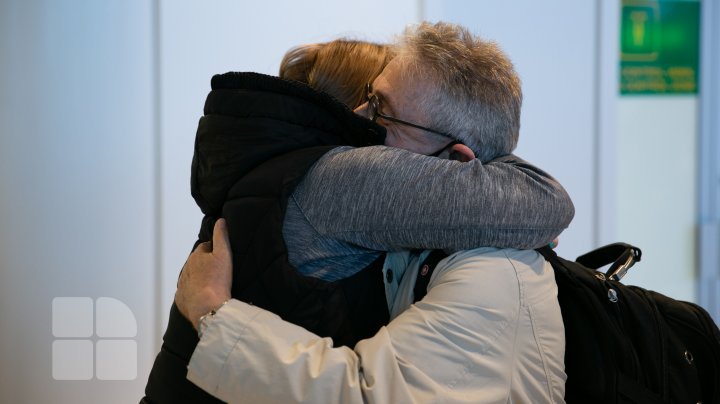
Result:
385,198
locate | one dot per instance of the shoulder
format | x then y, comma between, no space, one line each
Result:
495,276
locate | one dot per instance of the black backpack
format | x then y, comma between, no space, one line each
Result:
625,344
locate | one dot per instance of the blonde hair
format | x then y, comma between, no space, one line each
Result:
474,92
340,68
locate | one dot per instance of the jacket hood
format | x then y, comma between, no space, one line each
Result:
251,117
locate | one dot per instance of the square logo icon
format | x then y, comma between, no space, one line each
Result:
94,339
116,359
72,317
72,359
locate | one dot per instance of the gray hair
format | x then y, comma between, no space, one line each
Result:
474,92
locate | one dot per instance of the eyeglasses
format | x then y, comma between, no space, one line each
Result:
373,112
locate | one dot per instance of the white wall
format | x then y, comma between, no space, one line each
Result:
657,190
709,150
76,180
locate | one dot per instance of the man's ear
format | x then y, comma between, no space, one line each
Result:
462,153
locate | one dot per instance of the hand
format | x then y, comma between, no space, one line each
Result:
206,277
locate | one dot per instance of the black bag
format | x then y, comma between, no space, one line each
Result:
626,344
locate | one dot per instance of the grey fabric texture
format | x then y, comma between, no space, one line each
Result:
355,202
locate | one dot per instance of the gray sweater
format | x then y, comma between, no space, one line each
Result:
355,202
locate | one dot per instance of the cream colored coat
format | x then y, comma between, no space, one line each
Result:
489,330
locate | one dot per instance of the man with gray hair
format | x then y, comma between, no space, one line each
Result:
489,328
453,80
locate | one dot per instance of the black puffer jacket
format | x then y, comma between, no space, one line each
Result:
259,136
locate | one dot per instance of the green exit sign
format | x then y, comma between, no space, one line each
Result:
659,43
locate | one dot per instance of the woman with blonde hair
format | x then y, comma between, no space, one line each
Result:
340,68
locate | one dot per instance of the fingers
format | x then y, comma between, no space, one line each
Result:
206,278
221,239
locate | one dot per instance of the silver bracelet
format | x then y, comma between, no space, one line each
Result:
202,323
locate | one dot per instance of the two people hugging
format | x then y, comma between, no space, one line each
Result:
321,222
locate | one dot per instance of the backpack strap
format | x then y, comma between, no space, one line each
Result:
549,254
622,256
425,272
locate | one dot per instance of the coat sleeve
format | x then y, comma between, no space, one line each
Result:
456,345
389,199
